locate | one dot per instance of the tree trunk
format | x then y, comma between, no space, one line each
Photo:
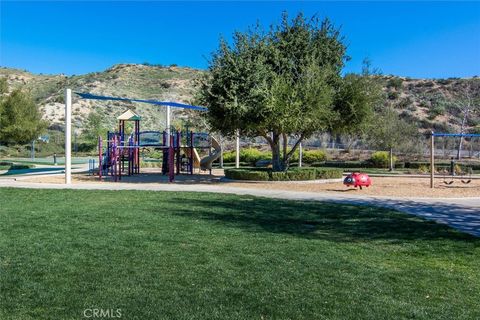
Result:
459,150
462,131
392,167
277,161
280,160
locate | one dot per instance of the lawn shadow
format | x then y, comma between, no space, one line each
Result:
318,220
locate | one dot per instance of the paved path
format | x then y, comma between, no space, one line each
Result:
462,214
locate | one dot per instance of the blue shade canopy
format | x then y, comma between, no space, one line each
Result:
464,135
155,102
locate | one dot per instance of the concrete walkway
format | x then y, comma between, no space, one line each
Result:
462,214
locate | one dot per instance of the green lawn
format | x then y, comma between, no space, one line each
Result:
160,255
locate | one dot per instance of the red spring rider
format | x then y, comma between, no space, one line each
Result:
357,179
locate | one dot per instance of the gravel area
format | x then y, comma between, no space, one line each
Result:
382,186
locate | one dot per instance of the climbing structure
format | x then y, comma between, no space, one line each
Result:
121,154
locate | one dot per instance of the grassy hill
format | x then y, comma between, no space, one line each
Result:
418,100
427,102
122,80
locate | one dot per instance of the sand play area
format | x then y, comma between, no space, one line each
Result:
410,187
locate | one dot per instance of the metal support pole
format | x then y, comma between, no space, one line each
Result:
221,154
68,136
32,151
171,165
300,155
432,160
191,152
237,150
168,126
100,151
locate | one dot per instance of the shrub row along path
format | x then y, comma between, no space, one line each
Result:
460,213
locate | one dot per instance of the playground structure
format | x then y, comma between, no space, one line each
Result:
121,154
465,177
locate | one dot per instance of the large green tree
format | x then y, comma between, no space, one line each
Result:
284,84
20,119
392,133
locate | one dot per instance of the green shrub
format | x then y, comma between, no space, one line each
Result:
328,174
382,159
399,165
229,156
250,155
155,154
419,164
395,83
343,164
311,156
437,109
296,174
423,169
245,174
278,176
393,95
300,174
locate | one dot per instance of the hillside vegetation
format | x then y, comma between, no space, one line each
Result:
122,80
422,101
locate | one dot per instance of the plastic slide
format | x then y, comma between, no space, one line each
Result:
196,157
206,163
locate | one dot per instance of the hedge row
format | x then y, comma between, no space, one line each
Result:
246,174
298,174
252,155
420,164
353,164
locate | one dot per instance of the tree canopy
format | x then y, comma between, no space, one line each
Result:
390,132
284,84
20,119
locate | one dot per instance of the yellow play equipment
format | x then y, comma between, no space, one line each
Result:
206,162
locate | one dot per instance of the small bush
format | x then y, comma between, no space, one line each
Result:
328,174
245,174
250,155
436,110
423,169
278,176
300,174
311,156
229,156
381,159
395,83
344,164
420,164
393,95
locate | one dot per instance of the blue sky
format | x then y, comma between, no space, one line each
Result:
416,39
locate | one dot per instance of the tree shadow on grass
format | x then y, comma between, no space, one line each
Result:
318,220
